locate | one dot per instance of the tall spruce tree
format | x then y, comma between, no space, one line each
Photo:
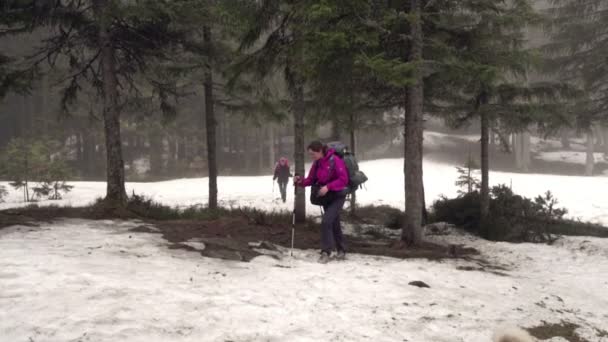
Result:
489,72
110,46
275,43
578,50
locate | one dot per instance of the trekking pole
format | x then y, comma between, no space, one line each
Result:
293,232
293,216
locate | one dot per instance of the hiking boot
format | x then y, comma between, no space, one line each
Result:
324,258
341,255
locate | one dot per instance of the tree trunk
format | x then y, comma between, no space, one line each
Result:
485,167
525,146
589,160
171,155
412,231
271,151
353,149
335,130
297,96
80,150
597,134
260,145
116,194
210,124
517,151
605,146
89,143
156,150
565,138
425,213
245,151
181,150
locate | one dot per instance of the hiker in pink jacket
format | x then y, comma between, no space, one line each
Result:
328,178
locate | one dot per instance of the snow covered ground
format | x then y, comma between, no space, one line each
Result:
79,280
572,157
584,197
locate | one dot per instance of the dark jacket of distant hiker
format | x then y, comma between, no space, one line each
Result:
281,171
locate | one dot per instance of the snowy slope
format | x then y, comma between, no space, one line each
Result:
80,280
585,197
572,157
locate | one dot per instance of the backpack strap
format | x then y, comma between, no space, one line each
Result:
332,168
314,174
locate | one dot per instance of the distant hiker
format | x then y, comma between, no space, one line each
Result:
328,178
281,175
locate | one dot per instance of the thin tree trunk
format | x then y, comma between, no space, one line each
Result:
605,146
245,149
353,149
156,150
260,145
89,142
525,146
517,151
80,148
597,134
171,155
181,150
589,160
565,138
271,151
412,231
297,95
116,194
335,130
210,124
485,166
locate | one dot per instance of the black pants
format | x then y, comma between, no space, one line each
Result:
283,189
331,229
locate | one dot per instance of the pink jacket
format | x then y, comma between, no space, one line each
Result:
335,178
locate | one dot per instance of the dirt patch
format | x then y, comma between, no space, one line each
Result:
482,269
229,237
232,236
565,330
32,214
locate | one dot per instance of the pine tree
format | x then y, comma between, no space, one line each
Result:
36,167
278,26
110,46
491,67
579,41
3,193
466,177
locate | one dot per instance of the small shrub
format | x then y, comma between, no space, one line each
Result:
463,211
467,180
146,207
38,162
3,193
384,215
511,218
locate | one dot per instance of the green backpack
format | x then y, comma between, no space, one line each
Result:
356,177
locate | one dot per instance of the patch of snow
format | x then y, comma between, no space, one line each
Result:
198,245
571,157
78,280
584,197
